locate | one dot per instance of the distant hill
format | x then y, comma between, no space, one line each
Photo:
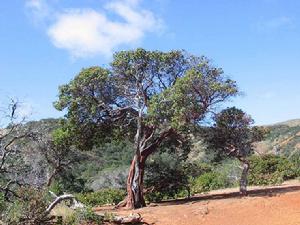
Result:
290,123
283,139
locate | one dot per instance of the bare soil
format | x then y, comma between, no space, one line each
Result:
277,205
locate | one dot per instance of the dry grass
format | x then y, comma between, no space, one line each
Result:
63,211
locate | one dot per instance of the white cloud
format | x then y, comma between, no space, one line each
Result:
87,32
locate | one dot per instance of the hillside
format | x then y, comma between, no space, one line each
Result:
102,167
283,139
107,165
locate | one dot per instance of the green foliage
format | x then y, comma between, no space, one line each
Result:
209,181
71,182
83,98
271,169
57,188
196,168
83,216
295,159
29,209
102,197
189,99
115,153
61,136
232,133
97,96
165,177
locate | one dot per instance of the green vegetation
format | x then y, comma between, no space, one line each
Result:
149,97
209,181
82,216
271,169
102,197
28,209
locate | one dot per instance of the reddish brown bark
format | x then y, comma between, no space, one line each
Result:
135,197
135,180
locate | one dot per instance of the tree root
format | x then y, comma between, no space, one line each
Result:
121,204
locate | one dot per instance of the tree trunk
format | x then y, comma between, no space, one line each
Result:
135,197
244,177
135,180
51,178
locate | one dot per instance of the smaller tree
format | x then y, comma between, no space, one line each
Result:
59,153
233,135
13,170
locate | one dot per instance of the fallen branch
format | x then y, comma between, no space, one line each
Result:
133,218
58,200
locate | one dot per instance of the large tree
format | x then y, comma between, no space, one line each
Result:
151,94
234,136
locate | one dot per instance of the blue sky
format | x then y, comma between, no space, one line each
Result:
45,43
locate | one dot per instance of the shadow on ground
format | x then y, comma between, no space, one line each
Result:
261,192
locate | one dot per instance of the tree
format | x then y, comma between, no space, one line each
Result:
58,152
12,167
233,135
150,96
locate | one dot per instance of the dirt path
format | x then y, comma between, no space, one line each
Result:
264,206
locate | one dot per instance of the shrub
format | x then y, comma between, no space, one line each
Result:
156,196
83,216
270,169
165,177
57,188
295,159
208,181
102,197
114,178
29,209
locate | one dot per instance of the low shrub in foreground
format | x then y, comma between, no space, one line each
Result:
102,197
29,209
82,217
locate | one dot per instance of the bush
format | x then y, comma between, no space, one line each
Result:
165,177
271,169
231,169
295,159
29,209
114,178
102,197
83,216
208,181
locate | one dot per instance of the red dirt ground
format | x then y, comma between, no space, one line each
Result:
263,206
